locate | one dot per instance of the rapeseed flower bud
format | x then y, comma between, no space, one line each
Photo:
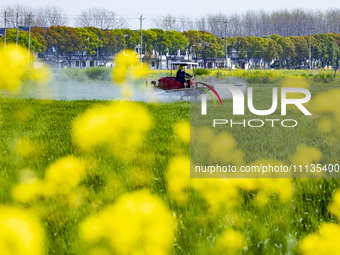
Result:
182,130
230,242
127,66
178,178
334,207
64,175
306,155
324,242
20,232
61,178
13,62
121,125
138,223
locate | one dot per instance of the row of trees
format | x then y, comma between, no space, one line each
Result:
295,22
41,17
287,52
55,16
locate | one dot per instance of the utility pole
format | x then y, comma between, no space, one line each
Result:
333,60
310,50
29,39
29,32
141,39
5,31
16,40
226,44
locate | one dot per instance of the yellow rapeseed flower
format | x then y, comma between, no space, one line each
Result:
261,198
325,125
182,130
324,242
121,125
64,175
219,193
139,177
41,75
327,101
13,61
334,207
306,155
127,92
128,67
100,251
230,242
28,190
138,223
178,178
26,148
61,178
221,148
141,71
295,83
20,233
281,187
114,187
205,135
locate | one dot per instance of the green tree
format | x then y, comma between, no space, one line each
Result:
71,43
336,38
301,50
110,45
66,40
54,37
256,48
216,48
240,45
327,49
131,38
90,42
40,34
120,38
22,39
149,37
100,36
195,46
178,42
160,45
272,51
288,49
208,47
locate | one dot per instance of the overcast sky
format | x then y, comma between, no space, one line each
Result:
131,9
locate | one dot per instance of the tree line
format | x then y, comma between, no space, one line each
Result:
47,16
295,22
274,51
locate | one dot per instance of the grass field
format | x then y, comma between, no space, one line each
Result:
36,133
251,76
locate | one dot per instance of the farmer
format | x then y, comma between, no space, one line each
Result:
181,75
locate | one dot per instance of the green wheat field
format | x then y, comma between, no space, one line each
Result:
207,219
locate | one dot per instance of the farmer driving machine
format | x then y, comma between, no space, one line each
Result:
188,86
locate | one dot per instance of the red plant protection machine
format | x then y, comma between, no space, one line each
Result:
189,87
